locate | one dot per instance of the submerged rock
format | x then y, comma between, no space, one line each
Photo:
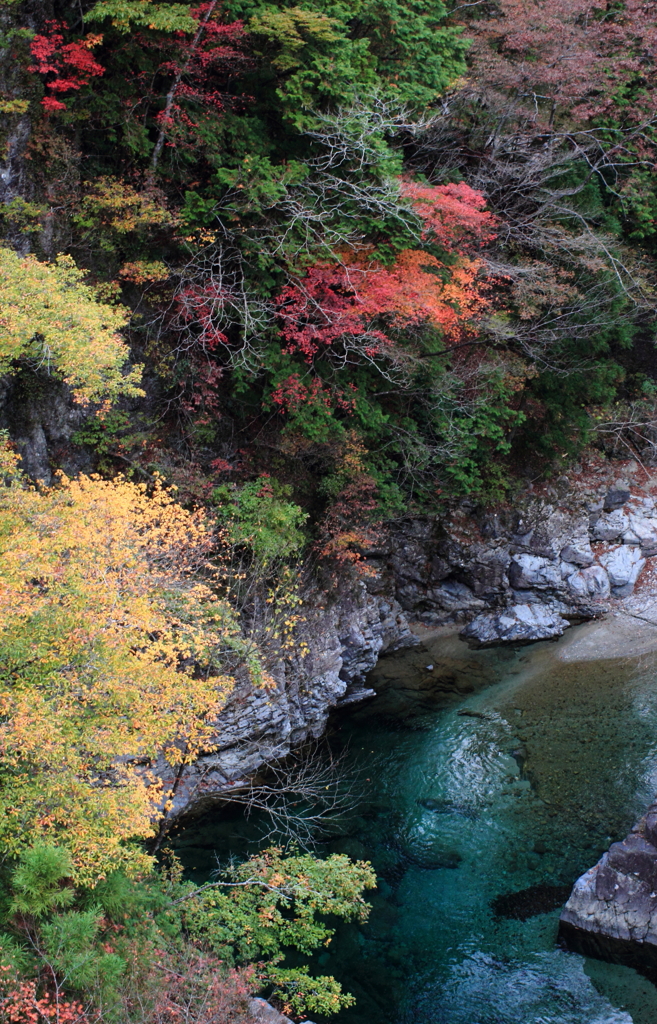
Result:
538,899
447,807
521,623
430,860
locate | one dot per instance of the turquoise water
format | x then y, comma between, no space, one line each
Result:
483,775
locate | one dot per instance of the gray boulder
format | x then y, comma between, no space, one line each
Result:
590,584
610,526
642,531
527,572
617,496
578,551
623,565
612,910
521,623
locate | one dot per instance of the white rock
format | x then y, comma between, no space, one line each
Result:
611,525
642,531
590,584
528,571
623,564
520,622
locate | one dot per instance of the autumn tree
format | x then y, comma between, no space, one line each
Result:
65,67
50,319
114,653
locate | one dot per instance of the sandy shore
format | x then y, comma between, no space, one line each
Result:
627,632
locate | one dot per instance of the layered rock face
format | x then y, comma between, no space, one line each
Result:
612,910
258,726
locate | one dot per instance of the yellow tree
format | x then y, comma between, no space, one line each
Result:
113,652
49,317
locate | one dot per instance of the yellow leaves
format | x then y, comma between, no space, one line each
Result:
14,106
116,204
48,316
102,620
91,39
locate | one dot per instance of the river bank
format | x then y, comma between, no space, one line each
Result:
512,576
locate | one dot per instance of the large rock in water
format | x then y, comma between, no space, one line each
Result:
612,911
521,623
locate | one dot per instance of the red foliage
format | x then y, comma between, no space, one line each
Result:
453,215
344,539
203,992
221,466
200,62
72,64
293,393
347,531
198,306
199,67
362,299
22,1005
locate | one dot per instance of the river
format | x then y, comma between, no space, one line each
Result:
489,781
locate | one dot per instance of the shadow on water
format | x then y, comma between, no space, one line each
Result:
491,780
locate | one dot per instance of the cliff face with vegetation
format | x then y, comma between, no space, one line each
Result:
304,311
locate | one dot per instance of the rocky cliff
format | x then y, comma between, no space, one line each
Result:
345,635
526,573
515,574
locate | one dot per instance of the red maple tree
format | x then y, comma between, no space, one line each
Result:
364,301
72,64
572,59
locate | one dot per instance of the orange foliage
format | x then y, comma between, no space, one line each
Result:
453,215
23,1005
362,298
366,300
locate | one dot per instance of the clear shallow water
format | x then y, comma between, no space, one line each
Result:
494,773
